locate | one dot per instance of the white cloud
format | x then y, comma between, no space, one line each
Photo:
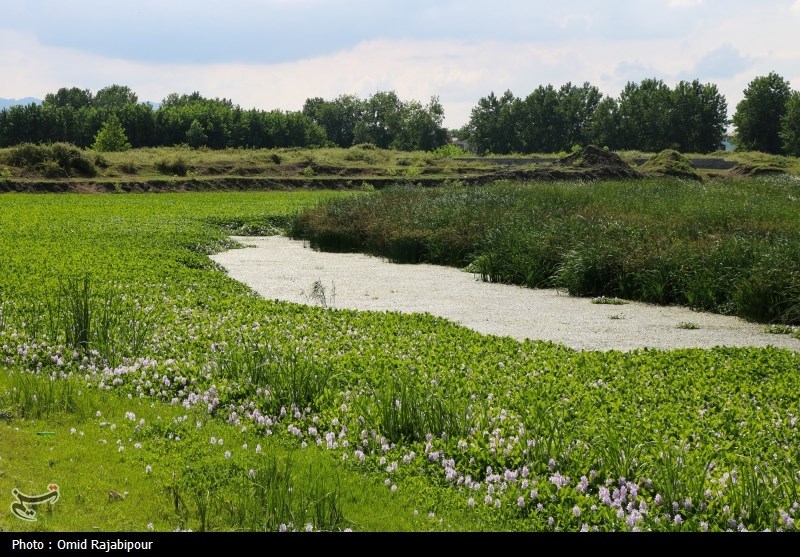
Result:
459,72
684,3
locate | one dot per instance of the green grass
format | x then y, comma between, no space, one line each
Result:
379,421
602,300
727,246
160,459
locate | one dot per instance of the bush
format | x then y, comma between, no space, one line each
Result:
450,151
174,167
58,160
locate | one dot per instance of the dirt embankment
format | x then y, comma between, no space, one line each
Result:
589,164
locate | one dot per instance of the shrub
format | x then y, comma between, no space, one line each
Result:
173,167
450,151
57,160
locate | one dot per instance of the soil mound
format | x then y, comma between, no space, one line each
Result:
590,163
599,163
670,163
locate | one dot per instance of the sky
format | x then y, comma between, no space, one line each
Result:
274,54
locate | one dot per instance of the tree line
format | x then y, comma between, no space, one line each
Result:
648,116
114,118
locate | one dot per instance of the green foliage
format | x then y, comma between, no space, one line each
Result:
662,241
520,419
790,126
196,137
111,137
698,117
648,116
114,97
177,166
56,160
450,151
760,113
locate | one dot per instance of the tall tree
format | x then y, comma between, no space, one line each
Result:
644,110
698,117
604,128
759,114
790,126
382,120
577,107
71,97
494,124
542,123
421,128
114,97
338,117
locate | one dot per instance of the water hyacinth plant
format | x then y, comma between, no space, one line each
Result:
486,432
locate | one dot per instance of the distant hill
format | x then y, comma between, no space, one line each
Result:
5,103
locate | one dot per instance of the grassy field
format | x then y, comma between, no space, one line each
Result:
115,323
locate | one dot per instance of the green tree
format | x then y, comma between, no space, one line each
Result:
114,97
111,137
542,123
604,128
698,117
381,121
494,125
644,113
196,136
759,114
421,128
790,126
69,97
577,107
338,117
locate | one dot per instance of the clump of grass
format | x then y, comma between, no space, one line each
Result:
129,167
670,163
406,412
177,166
603,300
286,378
687,325
275,496
779,329
88,318
36,395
